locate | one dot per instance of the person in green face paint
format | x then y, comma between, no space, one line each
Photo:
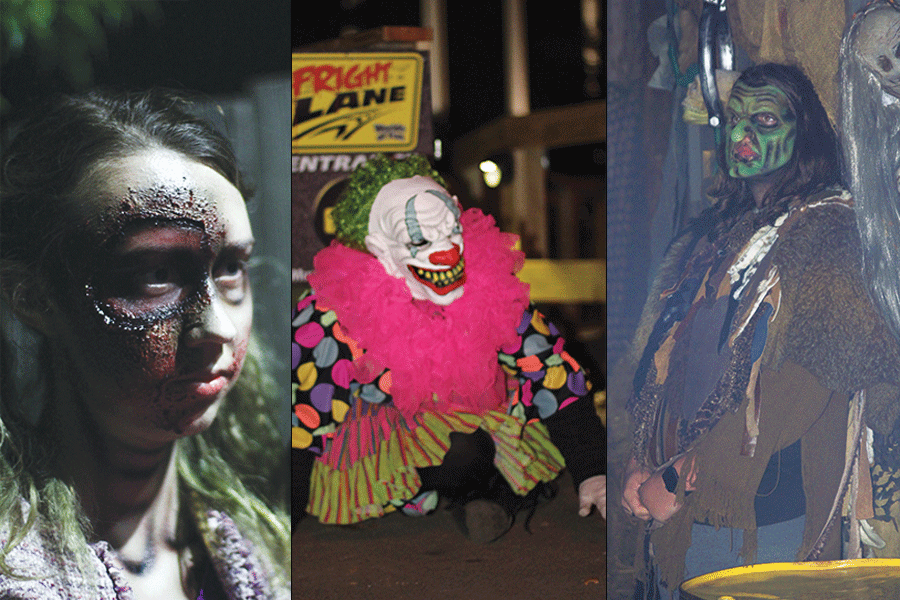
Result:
756,333
760,131
778,145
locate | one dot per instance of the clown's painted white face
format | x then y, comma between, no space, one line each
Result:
414,231
879,47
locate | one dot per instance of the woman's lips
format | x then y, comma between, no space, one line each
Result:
207,388
744,152
190,397
204,385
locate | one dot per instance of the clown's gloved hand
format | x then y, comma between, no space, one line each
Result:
592,492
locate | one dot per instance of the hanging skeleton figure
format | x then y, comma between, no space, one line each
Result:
870,130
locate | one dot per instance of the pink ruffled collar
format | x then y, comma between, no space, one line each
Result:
439,357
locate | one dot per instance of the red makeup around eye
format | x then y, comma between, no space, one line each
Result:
151,269
164,236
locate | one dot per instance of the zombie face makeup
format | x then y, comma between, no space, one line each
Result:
760,131
155,315
878,45
414,231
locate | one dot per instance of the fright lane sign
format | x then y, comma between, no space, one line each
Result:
360,102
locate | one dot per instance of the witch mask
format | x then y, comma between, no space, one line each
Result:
414,231
760,130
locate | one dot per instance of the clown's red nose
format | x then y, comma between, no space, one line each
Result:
445,257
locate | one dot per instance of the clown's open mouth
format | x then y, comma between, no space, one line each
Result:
442,281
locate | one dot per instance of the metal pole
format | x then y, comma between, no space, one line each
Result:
434,15
524,203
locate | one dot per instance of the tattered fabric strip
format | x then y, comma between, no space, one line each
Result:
753,289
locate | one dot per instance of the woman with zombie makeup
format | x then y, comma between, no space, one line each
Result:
754,337
136,420
870,137
421,370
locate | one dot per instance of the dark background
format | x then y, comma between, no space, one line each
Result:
475,54
211,47
217,47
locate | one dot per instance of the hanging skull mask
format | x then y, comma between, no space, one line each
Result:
878,45
414,231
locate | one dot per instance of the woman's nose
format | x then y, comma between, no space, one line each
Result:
740,130
215,324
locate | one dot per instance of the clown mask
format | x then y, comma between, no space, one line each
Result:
414,231
878,45
760,131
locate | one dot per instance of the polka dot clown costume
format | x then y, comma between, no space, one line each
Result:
418,340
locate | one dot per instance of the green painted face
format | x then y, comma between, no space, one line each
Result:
760,131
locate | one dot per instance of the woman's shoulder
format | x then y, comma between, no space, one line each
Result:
819,228
827,208
38,571
242,571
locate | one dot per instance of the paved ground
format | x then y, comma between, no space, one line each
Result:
399,558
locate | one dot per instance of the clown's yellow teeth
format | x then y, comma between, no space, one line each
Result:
441,278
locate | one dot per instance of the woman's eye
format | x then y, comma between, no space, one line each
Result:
765,119
160,283
231,279
156,282
137,285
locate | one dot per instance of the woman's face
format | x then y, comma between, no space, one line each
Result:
154,317
760,131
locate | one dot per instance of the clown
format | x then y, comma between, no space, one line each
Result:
870,136
421,370
419,240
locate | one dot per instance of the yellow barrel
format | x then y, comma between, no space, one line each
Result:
859,579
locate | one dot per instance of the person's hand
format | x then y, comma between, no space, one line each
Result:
659,501
592,492
631,502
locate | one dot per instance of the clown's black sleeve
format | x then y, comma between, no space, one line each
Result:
578,433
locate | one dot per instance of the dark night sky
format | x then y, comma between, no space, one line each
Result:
218,47
476,50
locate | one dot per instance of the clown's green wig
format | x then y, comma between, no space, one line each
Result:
351,213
